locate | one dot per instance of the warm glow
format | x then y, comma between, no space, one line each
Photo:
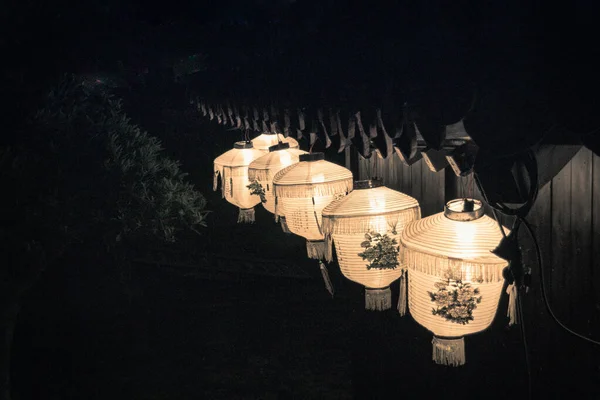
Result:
377,205
285,158
465,233
451,251
318,178
370,209
248,156
265,140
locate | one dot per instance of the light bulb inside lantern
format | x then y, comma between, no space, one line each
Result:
465,233
377,206
285,158
248,156
318,178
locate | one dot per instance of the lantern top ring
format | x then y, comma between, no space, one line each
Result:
312,157
368,184
464,209
279,146
243,145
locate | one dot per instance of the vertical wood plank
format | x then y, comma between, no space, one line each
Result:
561,248
348,157
538,324
361,169
580,303
450,185
432,190
394,168
416,187
595,262
406,179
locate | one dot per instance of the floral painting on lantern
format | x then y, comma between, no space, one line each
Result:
455,299
380,250
257,189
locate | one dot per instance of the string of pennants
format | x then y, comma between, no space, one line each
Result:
404,133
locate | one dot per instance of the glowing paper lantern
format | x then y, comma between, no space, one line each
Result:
454,281
264,168
267,139
370,209
232,167
303,190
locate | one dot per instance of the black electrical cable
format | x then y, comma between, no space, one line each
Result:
543,286
530,163
520,214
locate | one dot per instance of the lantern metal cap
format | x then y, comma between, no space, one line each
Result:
368,184
243,145
279,146
464,209
312,156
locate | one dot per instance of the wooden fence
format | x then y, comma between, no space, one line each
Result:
566,221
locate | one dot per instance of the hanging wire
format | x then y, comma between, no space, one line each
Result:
471,186
543,286
525,346
520,218
476,178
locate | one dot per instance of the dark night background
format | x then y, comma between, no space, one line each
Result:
220,331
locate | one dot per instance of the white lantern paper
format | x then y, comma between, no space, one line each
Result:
265,140
303,190
232,167
369,208
454,281
264,168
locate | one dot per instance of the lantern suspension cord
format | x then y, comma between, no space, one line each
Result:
543,286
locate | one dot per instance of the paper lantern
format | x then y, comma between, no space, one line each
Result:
232,167
265,140
303,190
454,281
263,169
371,209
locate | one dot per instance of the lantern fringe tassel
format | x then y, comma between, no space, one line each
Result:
378,299
216,180
511,313
261,175
402,295
449,352
365,223
315,249
325,274
284,225
313,189
437,266
328,247
246,216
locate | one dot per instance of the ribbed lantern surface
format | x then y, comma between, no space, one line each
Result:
232,167
303,190
265,140
264,168
369,209
454,281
